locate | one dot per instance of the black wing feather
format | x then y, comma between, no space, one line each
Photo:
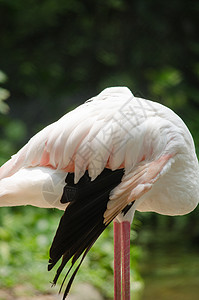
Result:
83,221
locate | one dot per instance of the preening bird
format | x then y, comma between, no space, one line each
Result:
101,162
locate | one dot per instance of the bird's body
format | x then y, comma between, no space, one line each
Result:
125,152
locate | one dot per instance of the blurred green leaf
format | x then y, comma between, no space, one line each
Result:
4,94
15,130
3,77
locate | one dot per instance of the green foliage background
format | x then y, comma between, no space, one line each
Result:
56,54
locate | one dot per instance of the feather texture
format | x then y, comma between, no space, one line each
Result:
112,129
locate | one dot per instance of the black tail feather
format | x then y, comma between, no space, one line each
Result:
82,222
73,275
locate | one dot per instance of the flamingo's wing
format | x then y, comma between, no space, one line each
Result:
107,131
82,139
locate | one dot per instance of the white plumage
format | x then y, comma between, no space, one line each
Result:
113,129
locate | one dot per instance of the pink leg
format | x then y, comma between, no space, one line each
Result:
125,260
117,260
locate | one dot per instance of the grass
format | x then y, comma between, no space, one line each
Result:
26,234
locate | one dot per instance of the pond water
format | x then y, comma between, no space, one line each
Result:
170,274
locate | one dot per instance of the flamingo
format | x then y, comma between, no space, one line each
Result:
101,162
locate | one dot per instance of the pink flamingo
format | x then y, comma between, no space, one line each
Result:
101,162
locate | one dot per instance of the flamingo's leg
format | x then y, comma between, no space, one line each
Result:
125,227
117,260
